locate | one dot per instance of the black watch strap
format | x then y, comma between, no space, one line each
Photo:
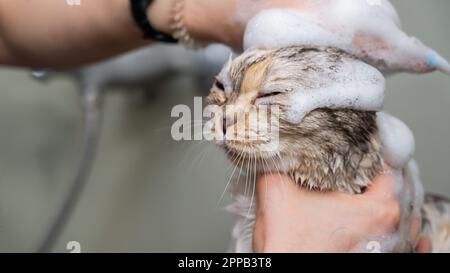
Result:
139,11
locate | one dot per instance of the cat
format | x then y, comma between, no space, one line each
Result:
334,147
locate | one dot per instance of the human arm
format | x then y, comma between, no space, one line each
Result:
292,219
54,34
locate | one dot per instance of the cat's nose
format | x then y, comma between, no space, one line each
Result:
226,122
224,126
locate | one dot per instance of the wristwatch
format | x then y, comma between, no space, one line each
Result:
139,11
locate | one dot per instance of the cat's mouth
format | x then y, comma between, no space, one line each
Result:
250,157
254,148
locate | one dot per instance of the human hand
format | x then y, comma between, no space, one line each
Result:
224,21
292,219
379,41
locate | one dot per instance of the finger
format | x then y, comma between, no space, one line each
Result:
424,245
382,188
381,202
415,229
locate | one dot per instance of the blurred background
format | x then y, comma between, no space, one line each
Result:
148,193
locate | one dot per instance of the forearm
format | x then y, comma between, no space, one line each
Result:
53,33
209,21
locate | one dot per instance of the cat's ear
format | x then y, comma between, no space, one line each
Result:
224,75
227,66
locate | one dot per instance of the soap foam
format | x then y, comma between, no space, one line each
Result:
368,29
397,140
398,146
356,86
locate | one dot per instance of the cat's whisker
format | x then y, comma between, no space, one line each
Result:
198,158
264,162
251,176
205,151
228,155
159,129
191,126
279,170
279,167
244,157
190,150
233,156
276,165
246,176
254,188
230,179
194,122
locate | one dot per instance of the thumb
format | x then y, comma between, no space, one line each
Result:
383,187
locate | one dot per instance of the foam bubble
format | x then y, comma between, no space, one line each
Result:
368,29
397,140
356,86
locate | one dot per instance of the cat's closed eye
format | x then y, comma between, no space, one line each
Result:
219,85
268,94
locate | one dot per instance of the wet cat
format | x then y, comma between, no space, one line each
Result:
333,146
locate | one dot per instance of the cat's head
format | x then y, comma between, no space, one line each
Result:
304,95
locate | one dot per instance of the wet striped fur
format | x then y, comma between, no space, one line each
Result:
329,150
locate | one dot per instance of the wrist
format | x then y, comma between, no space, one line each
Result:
160,15
206,21
212,21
